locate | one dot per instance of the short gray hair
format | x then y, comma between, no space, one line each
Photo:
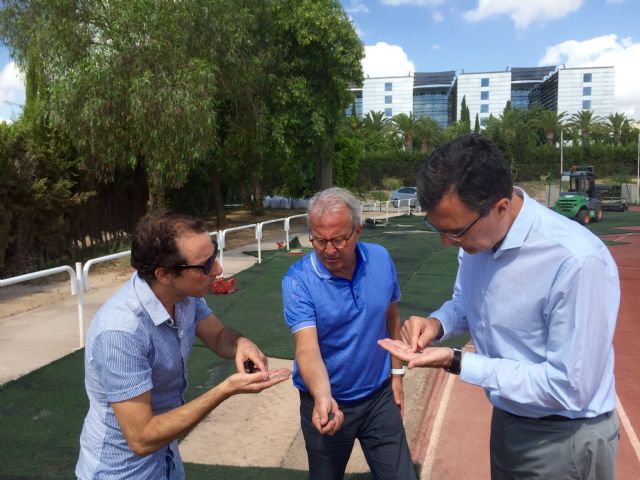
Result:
333,199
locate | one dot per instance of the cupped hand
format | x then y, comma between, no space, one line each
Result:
247,350
256,382
327,416
436,357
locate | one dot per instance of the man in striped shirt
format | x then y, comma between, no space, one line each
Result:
137,351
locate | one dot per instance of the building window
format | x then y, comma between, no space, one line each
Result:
484,108
586,91
484,95
388,87
484,82
388,112
586,104
388,99
586,78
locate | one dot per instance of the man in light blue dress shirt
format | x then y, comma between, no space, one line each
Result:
539,294
137,351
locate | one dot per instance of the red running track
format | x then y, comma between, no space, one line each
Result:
453,440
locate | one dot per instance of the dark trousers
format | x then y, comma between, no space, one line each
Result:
376,423
540,449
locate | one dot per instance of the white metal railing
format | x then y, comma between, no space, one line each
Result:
223,236
79,278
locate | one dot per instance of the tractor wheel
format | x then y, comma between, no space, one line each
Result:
583,216
598,215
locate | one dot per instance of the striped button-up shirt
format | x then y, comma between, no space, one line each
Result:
132,347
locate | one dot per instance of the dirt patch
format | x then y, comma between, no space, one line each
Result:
24,297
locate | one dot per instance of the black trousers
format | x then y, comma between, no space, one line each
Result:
376,422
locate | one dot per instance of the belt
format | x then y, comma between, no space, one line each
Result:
557,418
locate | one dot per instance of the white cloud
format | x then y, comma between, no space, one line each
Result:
384,60
11,91
435,46
356,6
523,12
437,17
607,50
413,3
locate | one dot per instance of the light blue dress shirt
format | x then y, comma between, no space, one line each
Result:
542,313
132,347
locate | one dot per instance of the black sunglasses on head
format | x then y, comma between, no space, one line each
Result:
206,266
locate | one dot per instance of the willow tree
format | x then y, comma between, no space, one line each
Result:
127,80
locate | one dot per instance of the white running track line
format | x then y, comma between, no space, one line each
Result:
427,464
622,415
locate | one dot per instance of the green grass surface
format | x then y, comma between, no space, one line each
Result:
41,414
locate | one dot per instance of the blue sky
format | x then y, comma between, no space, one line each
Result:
491,35
474,35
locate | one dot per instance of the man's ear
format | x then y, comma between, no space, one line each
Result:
502,205
163,275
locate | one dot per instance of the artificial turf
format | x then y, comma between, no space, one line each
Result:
41,413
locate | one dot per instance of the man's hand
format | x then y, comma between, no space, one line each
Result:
247,350
326,416
398,392
419,332
438,357
255,382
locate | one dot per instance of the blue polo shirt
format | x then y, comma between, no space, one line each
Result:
132,347
349,315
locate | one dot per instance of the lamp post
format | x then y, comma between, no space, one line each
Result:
638,174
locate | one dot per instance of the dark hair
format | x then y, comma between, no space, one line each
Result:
471,166
154,242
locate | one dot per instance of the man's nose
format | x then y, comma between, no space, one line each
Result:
330,249
216,270
446,240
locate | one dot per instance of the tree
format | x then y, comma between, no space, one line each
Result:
476,126
428,133
585,124
550,122
407,125
616,124
465,116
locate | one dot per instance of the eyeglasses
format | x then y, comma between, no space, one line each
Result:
453,235
206,266
338,242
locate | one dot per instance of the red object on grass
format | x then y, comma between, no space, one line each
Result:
224,285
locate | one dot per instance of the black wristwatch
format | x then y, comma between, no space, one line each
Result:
456,363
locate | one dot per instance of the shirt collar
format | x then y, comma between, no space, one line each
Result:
521,226
323,272
149,301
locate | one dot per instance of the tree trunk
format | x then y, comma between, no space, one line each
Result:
156,192
324,172
218,200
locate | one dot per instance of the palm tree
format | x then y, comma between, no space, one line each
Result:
616,124
376,122
585,123
550,122
428,133
407,125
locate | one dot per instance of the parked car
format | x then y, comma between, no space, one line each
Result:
404,193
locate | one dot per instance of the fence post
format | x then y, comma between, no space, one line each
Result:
80,295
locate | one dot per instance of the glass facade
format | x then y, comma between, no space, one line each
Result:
432,103
484,95
388,112
388,99
586,78
388,87
586,104
484,82
357,103
586,91
484,108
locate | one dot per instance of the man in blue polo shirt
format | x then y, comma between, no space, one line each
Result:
338,302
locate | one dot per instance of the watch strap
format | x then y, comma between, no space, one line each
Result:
456,363
399,371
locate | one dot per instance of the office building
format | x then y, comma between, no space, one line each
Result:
439,95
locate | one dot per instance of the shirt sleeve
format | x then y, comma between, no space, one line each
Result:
581,313
395,296
122,365
202,309
299,311
452,314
